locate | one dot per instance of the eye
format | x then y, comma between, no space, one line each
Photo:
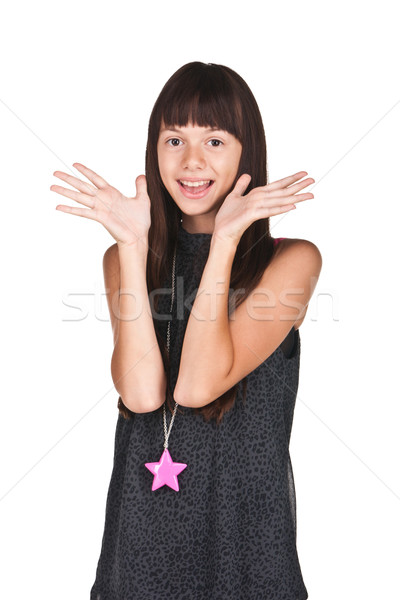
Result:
173,140
215,140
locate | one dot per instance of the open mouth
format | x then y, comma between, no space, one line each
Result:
194,189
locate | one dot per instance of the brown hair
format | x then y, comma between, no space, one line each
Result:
207,95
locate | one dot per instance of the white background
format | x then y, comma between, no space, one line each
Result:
78,82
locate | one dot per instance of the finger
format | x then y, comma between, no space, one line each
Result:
242,184
293,189
82,186
300,197
79,212
91,175
77,196
141,185
279,183
264,212
284,202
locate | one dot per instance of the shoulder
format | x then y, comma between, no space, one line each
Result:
293,253
111,267
111,252
111,259
291,277
111,273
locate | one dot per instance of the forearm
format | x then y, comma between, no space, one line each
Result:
207,351
137,368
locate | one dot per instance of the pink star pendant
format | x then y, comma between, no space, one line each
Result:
165,472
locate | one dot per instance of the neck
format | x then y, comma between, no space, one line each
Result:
196,226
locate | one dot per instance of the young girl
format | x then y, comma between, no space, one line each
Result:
205,308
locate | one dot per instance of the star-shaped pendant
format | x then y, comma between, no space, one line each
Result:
165,472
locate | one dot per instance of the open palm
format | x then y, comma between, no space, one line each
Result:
239,211
126,219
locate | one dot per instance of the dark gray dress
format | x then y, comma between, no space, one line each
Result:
229,533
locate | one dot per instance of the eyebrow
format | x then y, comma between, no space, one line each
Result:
178,130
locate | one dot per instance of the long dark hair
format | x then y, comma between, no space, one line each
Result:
207,95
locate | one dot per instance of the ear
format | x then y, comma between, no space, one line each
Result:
242,184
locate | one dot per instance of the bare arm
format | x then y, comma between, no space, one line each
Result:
220,350
136,366
207,351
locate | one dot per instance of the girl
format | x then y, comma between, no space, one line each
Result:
205,308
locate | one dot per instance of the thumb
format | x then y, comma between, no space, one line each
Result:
141,185
242,184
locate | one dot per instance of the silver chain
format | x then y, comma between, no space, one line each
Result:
166,434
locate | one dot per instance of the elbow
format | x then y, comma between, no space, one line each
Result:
139,400
140,404
191,398
138,396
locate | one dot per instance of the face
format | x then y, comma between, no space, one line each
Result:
198,166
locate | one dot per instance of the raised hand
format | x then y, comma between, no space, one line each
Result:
238,212
126,219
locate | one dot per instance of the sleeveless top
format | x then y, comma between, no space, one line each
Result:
229,533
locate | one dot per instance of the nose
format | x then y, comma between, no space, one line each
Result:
193,158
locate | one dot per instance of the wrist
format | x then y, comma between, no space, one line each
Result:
133,256
227,245
139,246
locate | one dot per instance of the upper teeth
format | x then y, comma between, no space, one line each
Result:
195,183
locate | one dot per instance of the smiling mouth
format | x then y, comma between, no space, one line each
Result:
195,187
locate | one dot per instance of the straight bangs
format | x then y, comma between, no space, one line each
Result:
203,98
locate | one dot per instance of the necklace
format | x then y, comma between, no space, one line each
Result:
165,471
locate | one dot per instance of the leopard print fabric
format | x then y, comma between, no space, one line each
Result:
229,533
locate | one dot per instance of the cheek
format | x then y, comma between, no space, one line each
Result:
162,167
231,172
164,164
